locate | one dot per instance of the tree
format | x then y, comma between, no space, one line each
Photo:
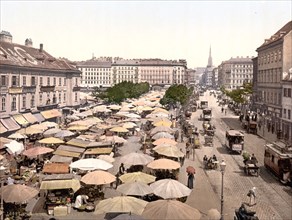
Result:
176,93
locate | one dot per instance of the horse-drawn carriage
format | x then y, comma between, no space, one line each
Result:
208,128
209,140
250,165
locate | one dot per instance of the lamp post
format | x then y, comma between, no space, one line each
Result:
2,174
222,169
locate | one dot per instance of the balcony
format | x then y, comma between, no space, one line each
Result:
47,88
28,89
76,88
15,90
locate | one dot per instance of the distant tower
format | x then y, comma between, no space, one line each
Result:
210,63
28,42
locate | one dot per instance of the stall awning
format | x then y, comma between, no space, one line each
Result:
39,117
56,168
10,124
53,113
66,153
30,118
2,128
99,151
60,184
20,119
61,159
78,142
71,148
4,141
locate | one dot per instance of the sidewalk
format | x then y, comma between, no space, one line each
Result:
268,136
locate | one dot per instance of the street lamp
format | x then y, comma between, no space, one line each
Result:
222,169
2,174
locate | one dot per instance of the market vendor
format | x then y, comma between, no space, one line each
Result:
80,200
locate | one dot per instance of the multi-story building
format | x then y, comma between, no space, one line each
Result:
96,72
105,72
32,79
234,72
215,78
274,59
162,72
286,119
190,77
199,75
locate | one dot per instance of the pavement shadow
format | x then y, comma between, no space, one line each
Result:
224,150
267,176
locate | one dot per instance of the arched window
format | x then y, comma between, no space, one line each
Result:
13,104
3,104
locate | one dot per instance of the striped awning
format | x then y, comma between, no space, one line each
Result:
2,128
39,117
20,119
30,118
10,124
53,113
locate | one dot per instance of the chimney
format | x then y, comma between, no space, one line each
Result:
5,36
41,47
28,42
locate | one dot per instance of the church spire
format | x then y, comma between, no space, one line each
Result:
210,63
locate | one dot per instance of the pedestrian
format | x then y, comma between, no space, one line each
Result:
117,179
222,109
121,169
188,145
181,137
252,196
225,111
191,178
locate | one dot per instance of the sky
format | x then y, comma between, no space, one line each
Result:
168,30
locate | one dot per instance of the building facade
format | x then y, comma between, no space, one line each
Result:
274,59
107,72
234,72
96,72
32,79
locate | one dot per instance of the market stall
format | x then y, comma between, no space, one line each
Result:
60,190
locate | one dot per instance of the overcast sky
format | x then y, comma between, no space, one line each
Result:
146,29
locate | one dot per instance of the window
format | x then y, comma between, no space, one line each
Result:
64,81
60,97
24,102
54,98
3,80
285,92
289,93
32,101
41,98
41,81
13,104
76,97
64,97
76,81
289,114
14,81
3,104
284,112
33,82
54,81
60,81
48,81
24,80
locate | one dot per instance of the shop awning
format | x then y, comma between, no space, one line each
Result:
71,148
60,184
99,151
78,143
39,117
66,153
2,128
56,168
10,124
61,159
53,113
20,119
30,118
